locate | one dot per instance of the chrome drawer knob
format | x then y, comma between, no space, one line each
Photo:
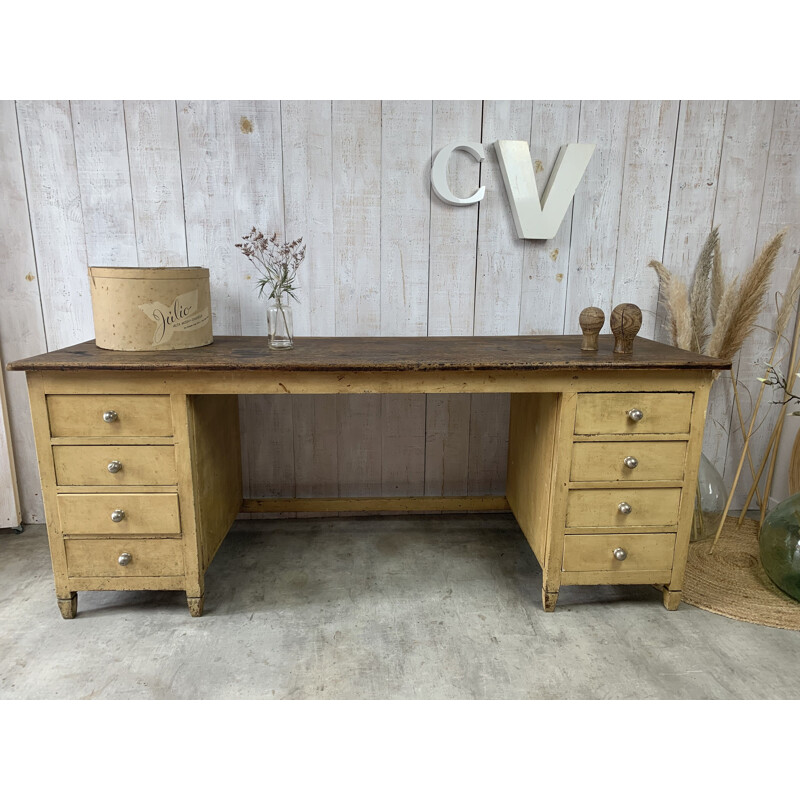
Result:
620,553
125,559
118,515
624,508
635,414
110,416
630,462
115,466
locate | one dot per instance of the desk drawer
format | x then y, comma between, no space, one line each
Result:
134,415
646,461
99,558
136,465
600,508
662,412
643,551
141,513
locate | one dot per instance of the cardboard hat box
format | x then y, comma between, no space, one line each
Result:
151,308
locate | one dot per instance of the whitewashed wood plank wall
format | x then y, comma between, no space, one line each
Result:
163,183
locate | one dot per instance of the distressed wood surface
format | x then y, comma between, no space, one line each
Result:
101,150
543,294
737,209
176,183
592,255
377,353
451,294
268,452
780,205
156,183
357,268
21,323
10,514
652,128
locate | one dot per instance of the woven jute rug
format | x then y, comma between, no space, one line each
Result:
732,582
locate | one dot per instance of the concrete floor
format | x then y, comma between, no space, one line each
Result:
375,607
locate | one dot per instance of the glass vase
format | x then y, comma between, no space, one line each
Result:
779,546
279,324
709,501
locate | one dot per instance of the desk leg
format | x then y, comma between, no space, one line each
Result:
196,605
68,606
549,599
672,599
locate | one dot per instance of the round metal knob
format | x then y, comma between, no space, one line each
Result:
110,416
630,462
115,466
624,508
620,554
117,515
126,558
635,414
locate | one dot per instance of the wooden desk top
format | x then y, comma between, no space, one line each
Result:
388,353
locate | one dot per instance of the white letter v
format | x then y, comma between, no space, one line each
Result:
535,219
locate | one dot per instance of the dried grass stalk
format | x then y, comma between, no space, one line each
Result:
676,299
788,301
749,301
717,281
725,312
701,290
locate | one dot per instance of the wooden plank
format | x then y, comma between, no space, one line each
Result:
206,160
451,293
444,382
534,420
316,441
743,169
423,505
596,209
308,197
308,202
652,128
21,323
101,150
216,470
405,217
412,354
447,443
44,455
356,149
500,252
156,186
10,515
266,422
497,292
405,259
56,219
545,263
454,229
780,207
693,189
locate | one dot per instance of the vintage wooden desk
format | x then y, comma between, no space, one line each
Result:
140,460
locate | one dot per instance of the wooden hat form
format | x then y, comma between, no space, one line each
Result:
626,319
591,321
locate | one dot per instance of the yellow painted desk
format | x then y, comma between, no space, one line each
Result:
140,460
